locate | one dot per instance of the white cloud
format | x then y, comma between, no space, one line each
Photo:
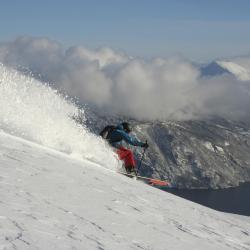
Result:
157,89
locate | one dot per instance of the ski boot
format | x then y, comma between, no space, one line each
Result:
131,170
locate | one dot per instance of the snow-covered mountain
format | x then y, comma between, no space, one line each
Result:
192,154
210,152
239,71
213,69
238,66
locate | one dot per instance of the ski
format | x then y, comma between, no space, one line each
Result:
150,181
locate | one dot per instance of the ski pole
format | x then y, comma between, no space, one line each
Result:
141,158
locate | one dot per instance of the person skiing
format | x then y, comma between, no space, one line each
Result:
115,136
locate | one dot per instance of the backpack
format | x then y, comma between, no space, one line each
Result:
106,132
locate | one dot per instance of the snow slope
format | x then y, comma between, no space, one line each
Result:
236,69
59,188
50,200
237,66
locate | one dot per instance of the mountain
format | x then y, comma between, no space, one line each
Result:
240,72
192,154
238,67
50,200
213,69
199,154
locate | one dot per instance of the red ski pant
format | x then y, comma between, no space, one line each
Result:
127,156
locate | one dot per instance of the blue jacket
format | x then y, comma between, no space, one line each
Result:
119,135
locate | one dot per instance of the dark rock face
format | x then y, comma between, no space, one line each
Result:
192,154
213,69
200,154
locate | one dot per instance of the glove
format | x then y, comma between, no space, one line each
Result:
145,145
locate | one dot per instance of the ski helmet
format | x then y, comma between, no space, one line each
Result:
126,127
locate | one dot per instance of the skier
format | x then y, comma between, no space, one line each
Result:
115,136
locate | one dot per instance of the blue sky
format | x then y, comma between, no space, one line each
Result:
200,30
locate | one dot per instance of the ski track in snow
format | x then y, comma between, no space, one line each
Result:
50,201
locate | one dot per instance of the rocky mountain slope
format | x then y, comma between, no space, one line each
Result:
192,154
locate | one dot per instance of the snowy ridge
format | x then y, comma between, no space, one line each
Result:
52,201
239,71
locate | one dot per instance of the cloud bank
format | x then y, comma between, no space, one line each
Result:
160,89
